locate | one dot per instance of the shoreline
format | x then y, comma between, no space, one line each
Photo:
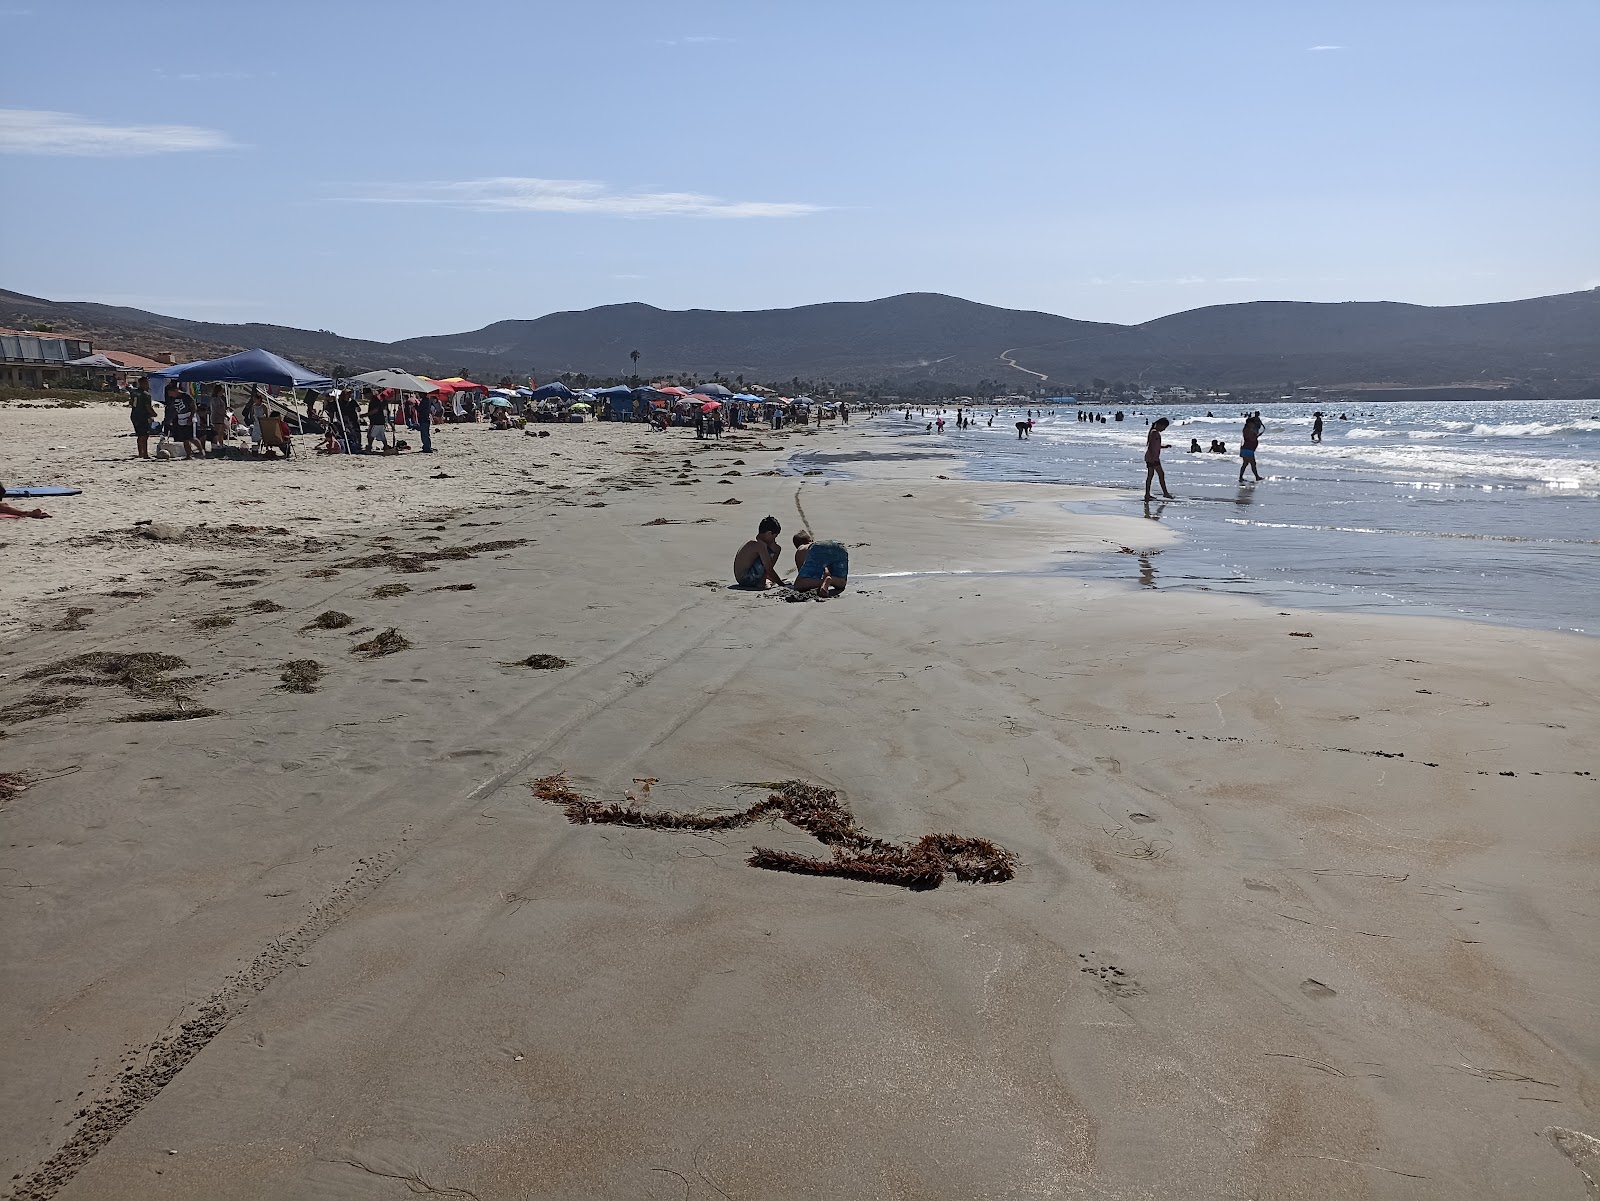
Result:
1206,569
1316,880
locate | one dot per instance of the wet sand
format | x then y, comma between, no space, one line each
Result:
1292,916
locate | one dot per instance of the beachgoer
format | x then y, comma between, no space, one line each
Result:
202,424
756,564
275,434
1316,429
1249,438
822,567
180,417
939,422
220,416
1194,446
377,421
142,412
11,511
1022,429
425,423
254,409
1152,459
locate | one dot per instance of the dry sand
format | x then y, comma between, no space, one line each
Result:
1293,916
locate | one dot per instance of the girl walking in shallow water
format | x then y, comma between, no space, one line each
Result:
1152,459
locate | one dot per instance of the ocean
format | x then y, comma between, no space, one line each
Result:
1486,510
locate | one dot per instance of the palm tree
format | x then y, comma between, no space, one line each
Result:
635,357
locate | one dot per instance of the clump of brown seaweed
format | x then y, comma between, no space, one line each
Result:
386,643
412,562
300,675
328,619
543,662
818,811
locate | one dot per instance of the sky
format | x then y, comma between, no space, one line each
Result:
398,168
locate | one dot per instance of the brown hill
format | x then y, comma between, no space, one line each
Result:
1550,344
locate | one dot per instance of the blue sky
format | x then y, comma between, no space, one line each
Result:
400,168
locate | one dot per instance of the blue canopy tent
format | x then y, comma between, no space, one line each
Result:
618,402
716,390
246,367
555,390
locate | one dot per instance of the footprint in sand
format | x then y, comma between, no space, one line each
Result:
1112,766
1316,989
1258,885
1113,981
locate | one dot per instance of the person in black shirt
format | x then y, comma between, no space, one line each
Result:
377,420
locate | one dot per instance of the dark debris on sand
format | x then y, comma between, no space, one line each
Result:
543,662
264,606
12,785
174,712
454,588
73,622
300,675
40,704
328,619
818,811
413,562
386,643
146,675
214,621
387,590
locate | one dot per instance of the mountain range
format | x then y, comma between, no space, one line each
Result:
1549,345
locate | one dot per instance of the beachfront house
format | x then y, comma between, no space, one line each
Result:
36,360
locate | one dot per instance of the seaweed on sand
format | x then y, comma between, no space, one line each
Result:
73,621
146,675
543,662
819,812
178,711
387,590
40,704
264,606
214,621
413,562
328,619
12,785
386,643
300,675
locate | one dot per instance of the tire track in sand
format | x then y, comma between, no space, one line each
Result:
148,1069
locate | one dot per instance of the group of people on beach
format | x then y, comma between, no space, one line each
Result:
821,566
1249,440
204,426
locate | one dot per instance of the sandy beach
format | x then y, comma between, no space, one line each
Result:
1304,903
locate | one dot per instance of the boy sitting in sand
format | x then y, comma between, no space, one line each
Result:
823,567
756,564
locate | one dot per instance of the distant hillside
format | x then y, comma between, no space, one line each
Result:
1549,345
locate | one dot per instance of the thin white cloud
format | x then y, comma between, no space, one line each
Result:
517,194
1316,48
30,131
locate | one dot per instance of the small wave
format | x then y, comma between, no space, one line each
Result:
1362,529
1534,429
